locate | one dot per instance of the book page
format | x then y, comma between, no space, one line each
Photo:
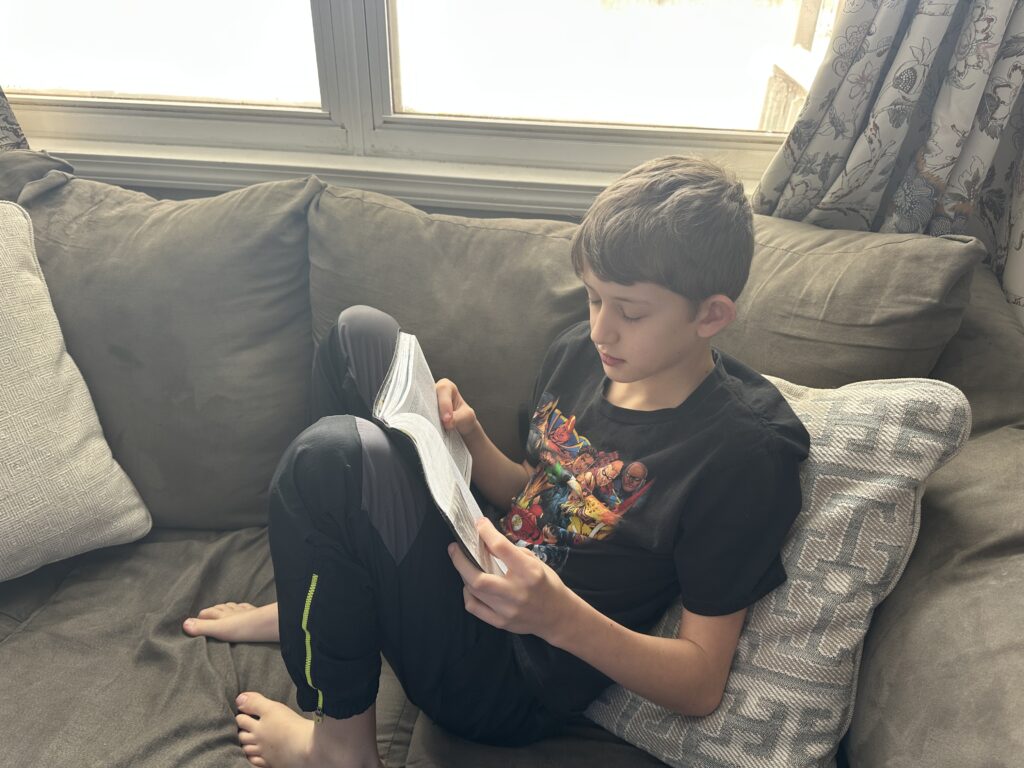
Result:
407,401
449,490
409,387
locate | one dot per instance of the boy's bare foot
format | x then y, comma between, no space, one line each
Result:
273,736
236,623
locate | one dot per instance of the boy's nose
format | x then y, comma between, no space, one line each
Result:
602,330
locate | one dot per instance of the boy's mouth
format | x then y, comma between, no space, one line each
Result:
609,360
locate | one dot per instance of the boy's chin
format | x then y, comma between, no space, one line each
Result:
619,372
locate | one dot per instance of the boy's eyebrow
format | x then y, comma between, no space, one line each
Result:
623,299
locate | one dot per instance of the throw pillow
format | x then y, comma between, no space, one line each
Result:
189,320
61,492
790,695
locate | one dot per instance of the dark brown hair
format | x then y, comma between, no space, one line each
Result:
681,222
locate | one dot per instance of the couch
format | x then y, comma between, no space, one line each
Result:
193,324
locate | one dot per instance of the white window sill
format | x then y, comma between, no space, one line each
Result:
442,164
423,183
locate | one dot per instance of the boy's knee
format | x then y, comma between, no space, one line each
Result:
320,454
342,465
394,495
362,321
326,449
373,441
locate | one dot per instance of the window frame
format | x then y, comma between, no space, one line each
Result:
355,139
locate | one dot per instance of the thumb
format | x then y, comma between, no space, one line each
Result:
444,401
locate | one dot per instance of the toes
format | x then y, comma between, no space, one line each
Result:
245,723
252,703
196,627
191,627
245,735
212,612
259,762
251,750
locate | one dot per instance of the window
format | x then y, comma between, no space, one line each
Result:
673,63
530,106
242,52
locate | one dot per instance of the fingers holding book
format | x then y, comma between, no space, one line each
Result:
454,411
529,599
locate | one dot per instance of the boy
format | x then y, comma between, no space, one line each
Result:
657,465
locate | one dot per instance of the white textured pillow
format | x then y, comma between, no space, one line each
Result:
61,492
789,698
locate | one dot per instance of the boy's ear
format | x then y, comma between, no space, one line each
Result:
714,314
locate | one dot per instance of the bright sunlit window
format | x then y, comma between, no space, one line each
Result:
225,51
731,64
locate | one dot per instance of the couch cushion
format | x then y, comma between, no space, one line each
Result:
190,323
789,697
484,296
942,683
20,166
823,308
985,359
579,745
61,492
950,633
29,594
105,675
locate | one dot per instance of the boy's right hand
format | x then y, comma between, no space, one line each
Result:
453,410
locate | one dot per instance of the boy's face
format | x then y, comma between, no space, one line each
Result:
648,340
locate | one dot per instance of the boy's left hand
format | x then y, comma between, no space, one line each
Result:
529,599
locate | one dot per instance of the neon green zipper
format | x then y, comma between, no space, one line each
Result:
319,714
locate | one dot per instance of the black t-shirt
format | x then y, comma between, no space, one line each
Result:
633,508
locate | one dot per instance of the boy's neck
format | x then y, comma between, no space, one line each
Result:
655,395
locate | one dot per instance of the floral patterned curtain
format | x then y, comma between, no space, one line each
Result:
11,136
914,123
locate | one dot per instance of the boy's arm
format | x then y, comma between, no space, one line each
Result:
500,478
685,674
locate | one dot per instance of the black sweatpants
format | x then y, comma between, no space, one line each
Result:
362,568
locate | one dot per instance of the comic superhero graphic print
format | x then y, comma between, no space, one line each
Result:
578,493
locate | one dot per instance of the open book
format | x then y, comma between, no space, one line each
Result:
407,402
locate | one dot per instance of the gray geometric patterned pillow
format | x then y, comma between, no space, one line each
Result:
789,697
61,492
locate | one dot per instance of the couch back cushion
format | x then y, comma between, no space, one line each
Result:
824,308
190,323
20,166
484,296
985,358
